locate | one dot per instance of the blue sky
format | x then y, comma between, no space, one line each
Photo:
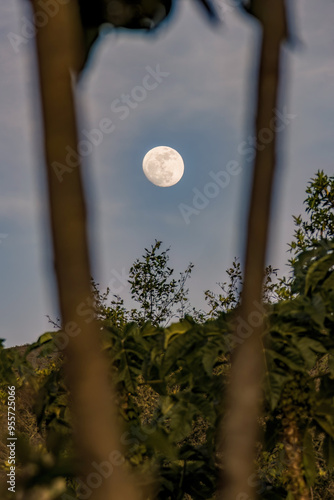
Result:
200,108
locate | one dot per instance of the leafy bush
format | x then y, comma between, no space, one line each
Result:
171,380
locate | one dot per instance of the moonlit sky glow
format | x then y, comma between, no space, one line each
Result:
187,86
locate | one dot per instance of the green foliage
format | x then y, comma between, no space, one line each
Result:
301,330
229,296
112,310
160,296
171,380
300,339
184,368
320,208
9,361
177,364
228,299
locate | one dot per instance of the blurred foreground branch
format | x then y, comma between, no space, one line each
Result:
97,436
240,427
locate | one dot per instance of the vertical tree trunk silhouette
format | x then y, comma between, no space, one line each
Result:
240,426
96,431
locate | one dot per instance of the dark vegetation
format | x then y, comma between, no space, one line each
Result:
171,380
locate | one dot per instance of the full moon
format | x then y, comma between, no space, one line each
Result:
163,166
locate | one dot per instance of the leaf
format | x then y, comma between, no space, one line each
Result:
328,451
176,329
43,339
208,360
318,310
318,271
46,337
328,427
329,282
274,383
309,461
289,361
167,404
148,330
324,408
159,441
182,346
308,348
